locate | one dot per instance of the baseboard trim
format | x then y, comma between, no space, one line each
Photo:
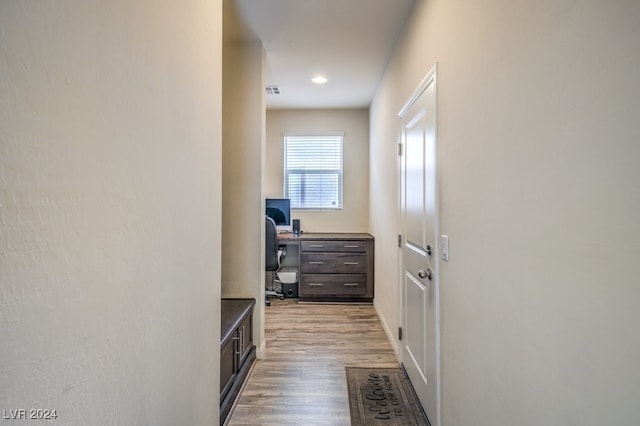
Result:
390,335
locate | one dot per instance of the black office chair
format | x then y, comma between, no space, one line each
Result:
271,257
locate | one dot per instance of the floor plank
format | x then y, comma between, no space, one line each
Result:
301,380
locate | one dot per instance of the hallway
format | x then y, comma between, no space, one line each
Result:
301,379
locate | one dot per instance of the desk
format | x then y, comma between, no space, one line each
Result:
332,267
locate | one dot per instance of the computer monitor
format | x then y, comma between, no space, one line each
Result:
279,209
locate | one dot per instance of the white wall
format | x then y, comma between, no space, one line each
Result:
354,216
110,143
242,163
540,189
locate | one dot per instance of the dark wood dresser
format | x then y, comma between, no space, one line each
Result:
237,351
334,267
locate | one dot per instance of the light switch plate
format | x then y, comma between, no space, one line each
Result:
444,247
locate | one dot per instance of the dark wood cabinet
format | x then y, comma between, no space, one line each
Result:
336,267
237,351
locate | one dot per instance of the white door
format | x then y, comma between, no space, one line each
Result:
419,230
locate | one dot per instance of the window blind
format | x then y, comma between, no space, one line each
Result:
313,171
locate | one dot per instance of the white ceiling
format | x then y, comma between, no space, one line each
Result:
348,41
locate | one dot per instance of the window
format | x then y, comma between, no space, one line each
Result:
313,171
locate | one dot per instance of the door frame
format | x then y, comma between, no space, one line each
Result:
429,78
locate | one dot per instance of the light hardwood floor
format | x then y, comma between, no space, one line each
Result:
301,380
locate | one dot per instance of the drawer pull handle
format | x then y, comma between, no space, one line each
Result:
351,246
350,284
351,263
236,347
316,245
316,284
316,263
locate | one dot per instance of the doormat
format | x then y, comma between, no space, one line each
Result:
383,396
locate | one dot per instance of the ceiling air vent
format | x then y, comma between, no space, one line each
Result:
273,90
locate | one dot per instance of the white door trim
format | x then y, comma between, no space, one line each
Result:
422,86
430,78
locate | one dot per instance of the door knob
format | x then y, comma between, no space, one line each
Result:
425,274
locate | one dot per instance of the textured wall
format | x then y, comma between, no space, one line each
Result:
242,162
110,210
354,217
540,189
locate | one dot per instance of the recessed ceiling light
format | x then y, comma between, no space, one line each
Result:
319,79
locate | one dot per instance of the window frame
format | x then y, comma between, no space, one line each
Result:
339,172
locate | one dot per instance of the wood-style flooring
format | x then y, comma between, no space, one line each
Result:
301,379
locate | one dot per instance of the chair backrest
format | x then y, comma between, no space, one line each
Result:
270,245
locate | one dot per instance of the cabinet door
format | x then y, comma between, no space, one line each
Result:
245,331
228,366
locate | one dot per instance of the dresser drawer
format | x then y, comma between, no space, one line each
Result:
333,263
332,285
333,246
